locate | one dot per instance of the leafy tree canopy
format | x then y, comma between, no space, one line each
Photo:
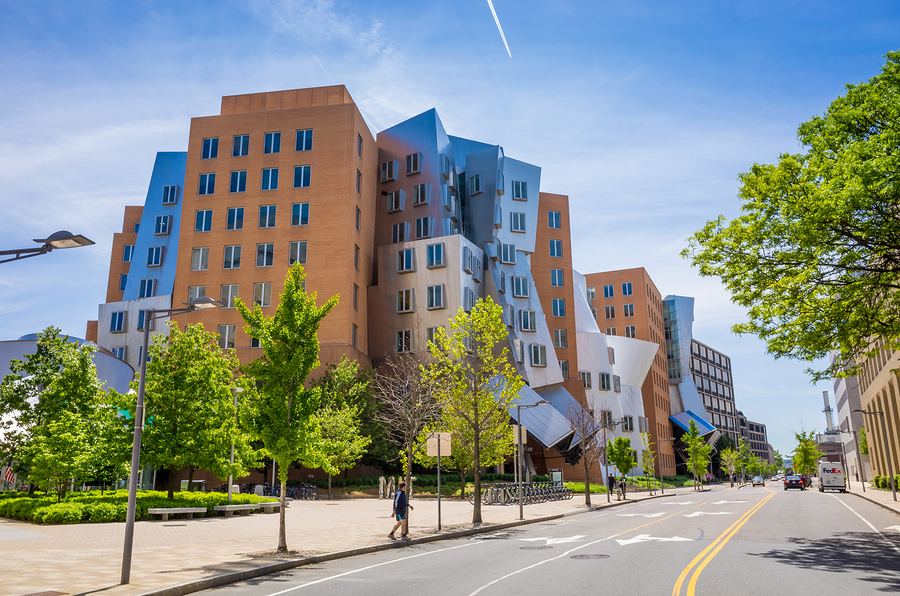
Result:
813,257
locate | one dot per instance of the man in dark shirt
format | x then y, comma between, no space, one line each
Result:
400,505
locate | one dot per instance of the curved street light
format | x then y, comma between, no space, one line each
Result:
60,239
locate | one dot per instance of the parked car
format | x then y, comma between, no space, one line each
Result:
758,480
794,482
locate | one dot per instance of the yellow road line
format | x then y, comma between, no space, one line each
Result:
676,591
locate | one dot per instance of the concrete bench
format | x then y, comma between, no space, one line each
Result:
230,509
165,512
271,506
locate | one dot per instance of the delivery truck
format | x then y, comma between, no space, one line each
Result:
831,477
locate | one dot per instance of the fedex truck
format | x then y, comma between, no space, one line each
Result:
831,476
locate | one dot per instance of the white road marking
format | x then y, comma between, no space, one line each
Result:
893,528
551,541
874,529
640,514
326,579
648,538
697,513
675,503
720,502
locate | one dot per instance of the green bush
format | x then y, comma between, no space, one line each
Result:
880,481
59,513
578,487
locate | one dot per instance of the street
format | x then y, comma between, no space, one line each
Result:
723,541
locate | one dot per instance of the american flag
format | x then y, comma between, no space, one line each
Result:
9,475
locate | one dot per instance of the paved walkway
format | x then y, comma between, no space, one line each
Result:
87,558
880,497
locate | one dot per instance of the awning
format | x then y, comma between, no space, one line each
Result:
707,430
546,423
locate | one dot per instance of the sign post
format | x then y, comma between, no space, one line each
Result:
434,447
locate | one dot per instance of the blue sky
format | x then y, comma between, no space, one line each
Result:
642,112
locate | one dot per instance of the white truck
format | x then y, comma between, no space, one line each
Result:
831,476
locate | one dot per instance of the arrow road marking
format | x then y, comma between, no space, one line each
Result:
893,528
720,502
648,538
696,513
551,541
640,514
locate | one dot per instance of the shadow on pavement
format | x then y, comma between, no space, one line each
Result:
842,553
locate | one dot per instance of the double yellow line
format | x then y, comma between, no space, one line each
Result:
703,559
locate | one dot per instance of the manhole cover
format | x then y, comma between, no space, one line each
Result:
582,557
174,525
535,547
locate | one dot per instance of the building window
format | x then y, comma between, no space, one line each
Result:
200,259
265,255
137,227
518,222
413,163
241,145
628,309
358,214
556,248
538,355
430,334
269,179
435,255
235,219
520,287
147,288
628,424
226,336
117,322
358,181
389,170
232,257
617,384
626,289
559,307
301,176
435,297
203,220
508,254
304,140
611,331
207,185
400,232
556,278
612,355
608,291
468,299
119,352
298,253
564,368
501,283
300,214
272,143
162,225
404,341
423,227
528,320
475,184
405,260
356,257
229,293
127,251
592,294
610,312
421,194
154,256
238,181
123,281
142,320
585,379
355,297
554,218
210,148
195,292
520,190
353,334
604,382
560,338
267,216
262,294
630,331
395,201
359,145
170,195
594,313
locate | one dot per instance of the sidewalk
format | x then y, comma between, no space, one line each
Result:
88,557
883,498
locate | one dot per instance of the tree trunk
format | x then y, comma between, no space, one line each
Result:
282,538
191,478
476,512
171,495
409,460
587,483
329,487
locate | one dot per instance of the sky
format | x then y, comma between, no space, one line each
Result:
643,113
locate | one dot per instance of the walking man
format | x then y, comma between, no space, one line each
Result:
400,505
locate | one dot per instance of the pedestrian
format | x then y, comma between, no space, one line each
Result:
622,486
400,505
611,482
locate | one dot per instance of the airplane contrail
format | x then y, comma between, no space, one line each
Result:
499,28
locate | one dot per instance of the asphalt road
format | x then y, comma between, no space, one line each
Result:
720,542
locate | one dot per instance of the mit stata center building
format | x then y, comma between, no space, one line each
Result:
407,227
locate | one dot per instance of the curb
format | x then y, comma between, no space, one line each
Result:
236,576
876,501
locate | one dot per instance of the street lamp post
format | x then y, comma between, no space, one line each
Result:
520,456
201,303
862,472
661,489
235,391
61,239
887,448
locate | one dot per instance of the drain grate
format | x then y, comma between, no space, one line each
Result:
174,525
535,547
583,557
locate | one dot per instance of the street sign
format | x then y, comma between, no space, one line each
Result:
523,431
432,445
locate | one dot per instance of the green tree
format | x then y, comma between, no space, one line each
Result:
588,428
648,458
281,413
58,452
698,452
863,441
779,460
621,455
813,256
746,456
806,453
475,383
341,444
730,458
